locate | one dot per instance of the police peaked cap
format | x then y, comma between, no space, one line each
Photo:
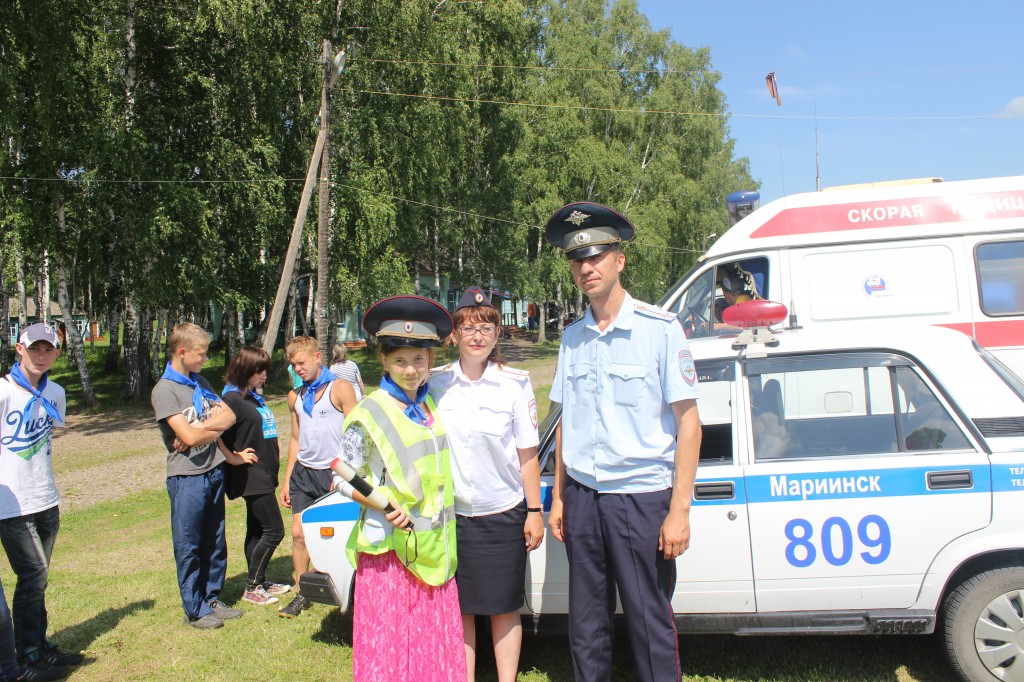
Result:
474,297
408,321
585,229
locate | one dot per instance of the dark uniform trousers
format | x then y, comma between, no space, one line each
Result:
612,542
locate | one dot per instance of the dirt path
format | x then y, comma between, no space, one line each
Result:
92,437
101,457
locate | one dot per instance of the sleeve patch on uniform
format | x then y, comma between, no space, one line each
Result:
533,412
686,368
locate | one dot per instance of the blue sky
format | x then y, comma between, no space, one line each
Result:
902,89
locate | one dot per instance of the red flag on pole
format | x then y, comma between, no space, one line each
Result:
773,88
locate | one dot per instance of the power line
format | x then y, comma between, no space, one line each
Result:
107,181
759,73
644,111
448,209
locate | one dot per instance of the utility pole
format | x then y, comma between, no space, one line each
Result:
332,68
323,229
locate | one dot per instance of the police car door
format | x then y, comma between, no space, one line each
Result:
715,574
860,475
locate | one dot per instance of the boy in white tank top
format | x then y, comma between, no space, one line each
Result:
318,410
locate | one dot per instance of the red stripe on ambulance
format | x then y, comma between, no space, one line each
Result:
892,213
992,334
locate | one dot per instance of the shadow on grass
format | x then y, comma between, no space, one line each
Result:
79,637
803,658
749,659
335,627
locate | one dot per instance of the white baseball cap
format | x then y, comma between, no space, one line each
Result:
40,331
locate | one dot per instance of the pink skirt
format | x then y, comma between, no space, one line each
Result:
403,629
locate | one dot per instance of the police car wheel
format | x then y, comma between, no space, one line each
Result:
984,625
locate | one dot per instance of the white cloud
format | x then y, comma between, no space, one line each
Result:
1014,108
796,52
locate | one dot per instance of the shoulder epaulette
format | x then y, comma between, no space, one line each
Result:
512,371
442,369
653,311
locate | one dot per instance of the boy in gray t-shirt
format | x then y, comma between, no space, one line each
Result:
191,418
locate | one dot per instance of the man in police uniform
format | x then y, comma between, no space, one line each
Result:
627,453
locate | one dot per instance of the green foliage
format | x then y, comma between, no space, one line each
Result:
176,137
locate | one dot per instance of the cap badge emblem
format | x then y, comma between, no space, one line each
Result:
479,298
577,218
582,238
408,327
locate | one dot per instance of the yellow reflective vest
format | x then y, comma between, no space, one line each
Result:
418,479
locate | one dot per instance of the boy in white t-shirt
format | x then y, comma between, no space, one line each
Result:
30,406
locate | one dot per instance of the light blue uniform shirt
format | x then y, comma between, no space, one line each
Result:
616,388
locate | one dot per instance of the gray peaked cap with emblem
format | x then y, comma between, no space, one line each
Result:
585,229
408,321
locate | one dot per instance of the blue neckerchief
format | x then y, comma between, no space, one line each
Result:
37,394
191,381
309,396
413,411
249,393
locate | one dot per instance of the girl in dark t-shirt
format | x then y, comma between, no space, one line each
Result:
255,429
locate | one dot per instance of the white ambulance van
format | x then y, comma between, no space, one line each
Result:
949,254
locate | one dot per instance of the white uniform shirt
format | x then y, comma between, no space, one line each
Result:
486,420
617,387
26,469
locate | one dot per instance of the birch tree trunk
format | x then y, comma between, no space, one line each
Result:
132,390
161,324
145,349
240,327
42,293
19,274
291,312
542,321
229,320
75,347
114,334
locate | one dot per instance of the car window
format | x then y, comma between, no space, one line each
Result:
861,404
927,425
694,307
715,409
1001,277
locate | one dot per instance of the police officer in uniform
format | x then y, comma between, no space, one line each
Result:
490,415
627,453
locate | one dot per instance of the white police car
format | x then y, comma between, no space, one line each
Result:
849,483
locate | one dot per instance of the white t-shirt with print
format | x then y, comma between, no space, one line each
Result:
26,440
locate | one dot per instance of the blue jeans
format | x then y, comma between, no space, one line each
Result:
8,659
197,530
28,541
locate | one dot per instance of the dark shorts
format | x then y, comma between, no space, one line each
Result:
306,486
492,562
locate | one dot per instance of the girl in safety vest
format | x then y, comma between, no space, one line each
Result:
406,622
491,415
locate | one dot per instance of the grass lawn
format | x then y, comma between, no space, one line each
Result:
113,595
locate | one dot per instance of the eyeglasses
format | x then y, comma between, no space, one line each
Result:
486,331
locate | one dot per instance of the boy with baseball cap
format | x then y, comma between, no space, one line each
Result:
30,406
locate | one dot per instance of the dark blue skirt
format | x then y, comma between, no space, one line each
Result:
492,562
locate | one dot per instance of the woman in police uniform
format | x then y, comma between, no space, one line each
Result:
491,417
406,623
